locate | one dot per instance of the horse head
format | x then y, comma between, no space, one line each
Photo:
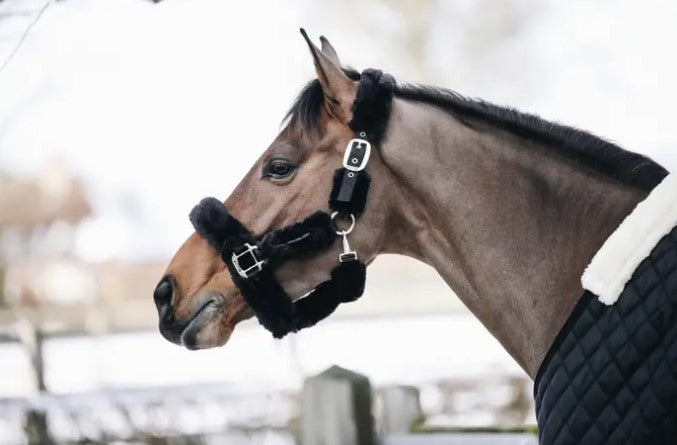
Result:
198,301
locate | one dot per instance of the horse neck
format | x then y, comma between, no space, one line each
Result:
510,224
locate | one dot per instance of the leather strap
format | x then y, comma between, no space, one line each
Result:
349,192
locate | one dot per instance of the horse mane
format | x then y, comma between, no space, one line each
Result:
584,147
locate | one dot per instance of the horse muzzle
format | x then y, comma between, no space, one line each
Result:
202,328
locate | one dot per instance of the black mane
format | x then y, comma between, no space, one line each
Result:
306,107
584,147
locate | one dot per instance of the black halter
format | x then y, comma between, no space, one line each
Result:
251,262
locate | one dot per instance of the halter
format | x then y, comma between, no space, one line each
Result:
251,261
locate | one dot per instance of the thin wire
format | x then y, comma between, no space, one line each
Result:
25,34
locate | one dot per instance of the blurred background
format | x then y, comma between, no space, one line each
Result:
117,116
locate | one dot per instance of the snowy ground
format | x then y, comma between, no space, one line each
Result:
248,378
388,350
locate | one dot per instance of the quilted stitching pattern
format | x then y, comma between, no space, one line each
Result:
611,376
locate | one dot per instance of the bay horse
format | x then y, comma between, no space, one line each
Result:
507,207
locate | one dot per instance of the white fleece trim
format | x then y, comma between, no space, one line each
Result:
613,265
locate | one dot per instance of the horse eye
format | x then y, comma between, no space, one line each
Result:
278,169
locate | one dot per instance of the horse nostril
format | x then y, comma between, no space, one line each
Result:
163,295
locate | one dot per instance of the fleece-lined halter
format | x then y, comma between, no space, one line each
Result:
252,261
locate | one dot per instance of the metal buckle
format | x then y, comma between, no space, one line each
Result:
357,154
347,256
256,266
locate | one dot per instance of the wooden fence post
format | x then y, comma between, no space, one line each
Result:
36,428
35,422
401,409
337,409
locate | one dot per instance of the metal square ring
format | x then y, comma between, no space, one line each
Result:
357,154
252,270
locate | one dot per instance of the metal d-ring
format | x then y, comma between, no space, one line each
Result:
348,230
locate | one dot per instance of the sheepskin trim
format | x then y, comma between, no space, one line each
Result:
274,309
371,108
349,191
212,221
613,265
264,294
314,233
277,313
346,285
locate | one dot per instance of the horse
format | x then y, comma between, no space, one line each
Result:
509,208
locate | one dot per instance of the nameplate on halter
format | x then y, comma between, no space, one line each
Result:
357,154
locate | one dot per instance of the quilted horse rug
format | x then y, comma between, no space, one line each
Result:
611,375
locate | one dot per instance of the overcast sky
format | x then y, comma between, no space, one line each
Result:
156,106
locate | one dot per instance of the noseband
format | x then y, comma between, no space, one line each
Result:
251,261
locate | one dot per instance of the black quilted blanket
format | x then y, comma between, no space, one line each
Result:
611,375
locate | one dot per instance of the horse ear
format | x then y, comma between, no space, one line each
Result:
339,90
329,50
